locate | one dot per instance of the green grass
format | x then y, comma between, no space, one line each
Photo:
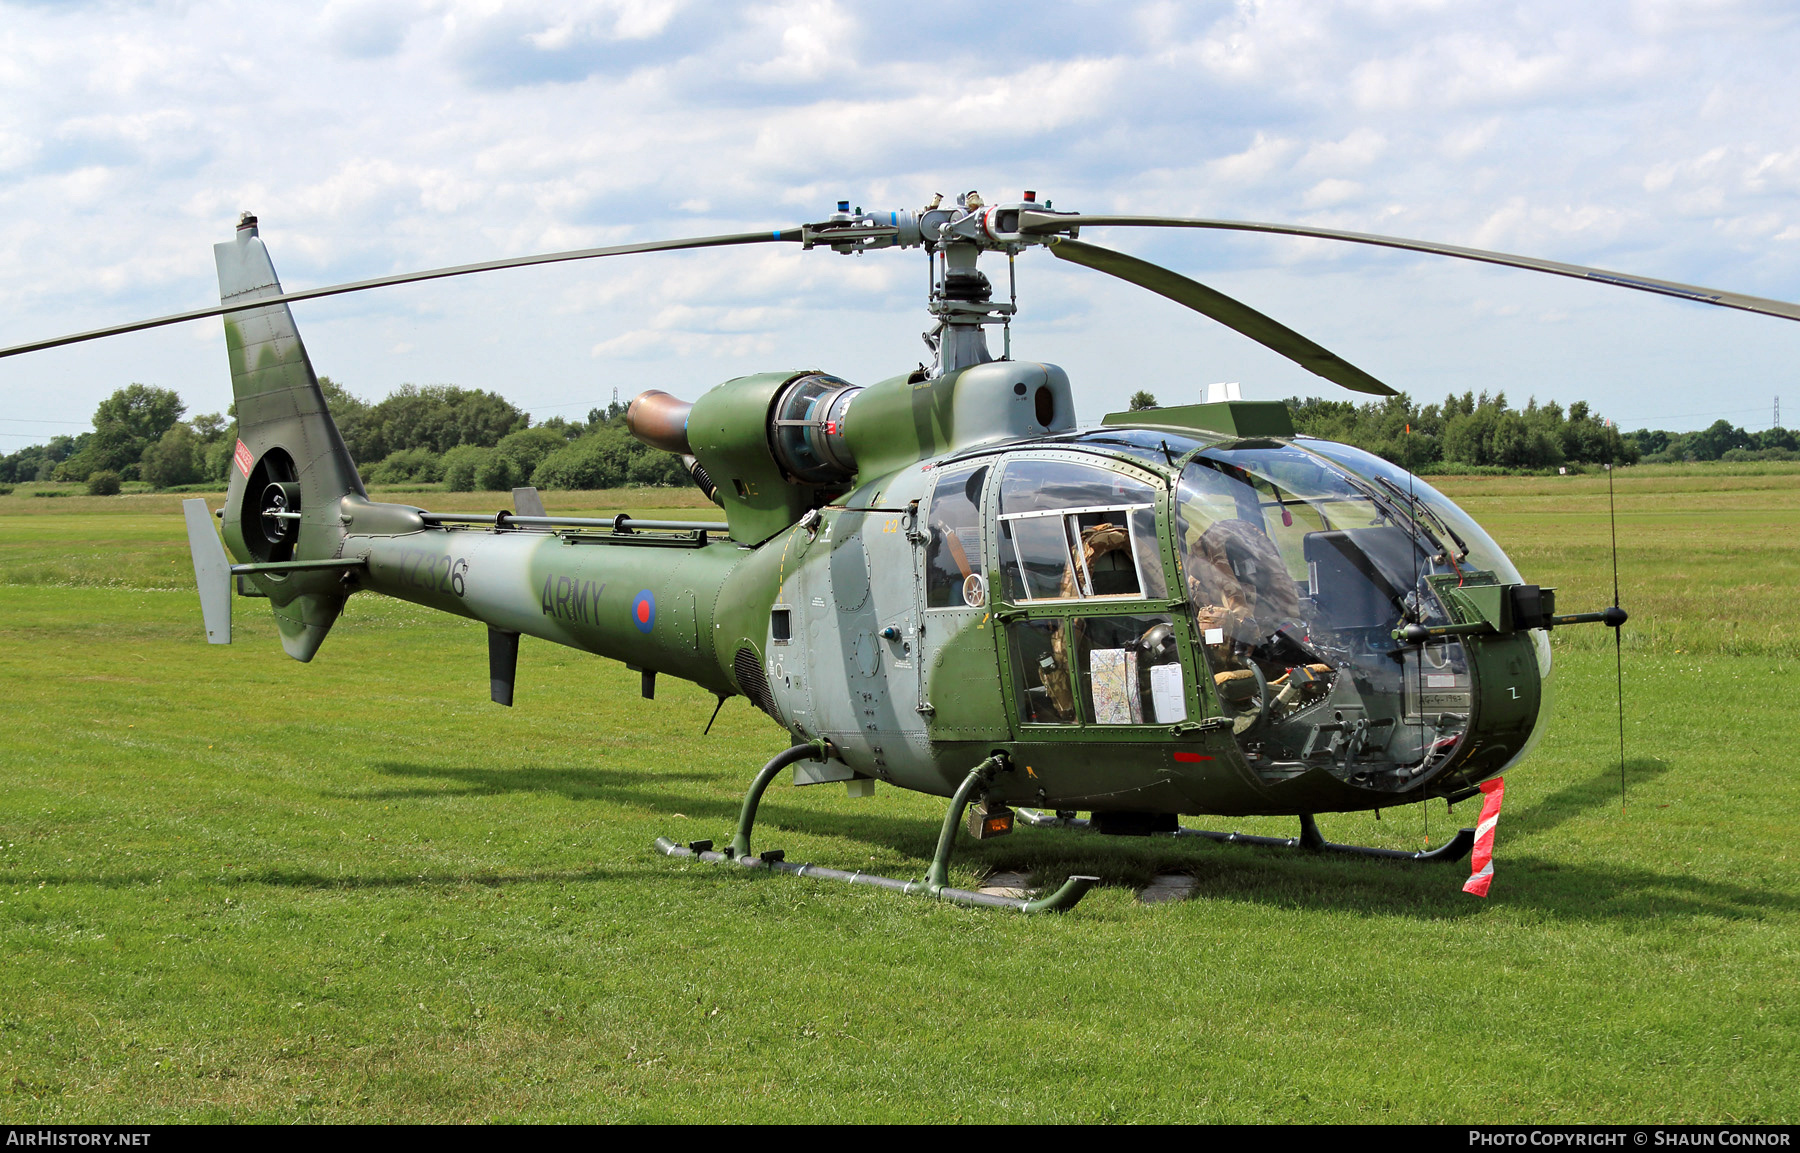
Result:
233,887
1709,561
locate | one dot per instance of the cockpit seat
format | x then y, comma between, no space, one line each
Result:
1235,565
1236,687
1106,557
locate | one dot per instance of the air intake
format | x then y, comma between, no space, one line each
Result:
747,667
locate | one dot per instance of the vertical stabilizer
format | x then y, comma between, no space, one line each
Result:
291,473
212,571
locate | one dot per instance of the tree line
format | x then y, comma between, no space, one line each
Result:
1486,432
470,440
466,439
1468,431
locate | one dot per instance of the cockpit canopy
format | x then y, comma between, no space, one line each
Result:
1267,575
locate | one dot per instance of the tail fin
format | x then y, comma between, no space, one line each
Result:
212,571
291,474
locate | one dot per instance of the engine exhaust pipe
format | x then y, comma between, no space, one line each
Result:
660,421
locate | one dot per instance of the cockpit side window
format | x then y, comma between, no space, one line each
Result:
1075,532
953,569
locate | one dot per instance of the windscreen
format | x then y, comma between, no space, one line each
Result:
1298,572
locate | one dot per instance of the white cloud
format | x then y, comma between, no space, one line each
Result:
376,135
368,29
1326,193
1263,159
1353,153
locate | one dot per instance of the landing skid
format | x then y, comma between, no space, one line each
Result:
936,879
1450,852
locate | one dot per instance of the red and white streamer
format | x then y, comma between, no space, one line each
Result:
1492,792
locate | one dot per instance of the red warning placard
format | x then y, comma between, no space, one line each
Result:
242,457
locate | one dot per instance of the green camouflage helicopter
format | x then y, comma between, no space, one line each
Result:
942,581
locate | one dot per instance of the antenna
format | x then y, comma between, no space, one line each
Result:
1777,423
1617,621
1412,512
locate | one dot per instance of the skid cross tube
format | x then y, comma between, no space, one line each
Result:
1451,851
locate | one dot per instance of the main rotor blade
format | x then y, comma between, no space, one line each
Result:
1042,223
408,278
1233,314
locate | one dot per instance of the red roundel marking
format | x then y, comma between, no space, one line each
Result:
1190,758
643,611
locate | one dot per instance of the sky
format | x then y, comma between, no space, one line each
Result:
379,136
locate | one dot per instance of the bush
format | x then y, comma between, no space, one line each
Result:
656,468
409,466
461,464
495,474
527,448
104,482
219,456
597,461
179,457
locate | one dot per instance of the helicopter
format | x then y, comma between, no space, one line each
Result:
941,580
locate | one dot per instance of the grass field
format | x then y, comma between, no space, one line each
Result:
233,887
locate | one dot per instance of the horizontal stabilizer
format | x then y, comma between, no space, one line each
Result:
212,571
286,566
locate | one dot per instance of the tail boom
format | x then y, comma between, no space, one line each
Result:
656,603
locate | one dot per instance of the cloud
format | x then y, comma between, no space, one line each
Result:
368,29
379,135
505,45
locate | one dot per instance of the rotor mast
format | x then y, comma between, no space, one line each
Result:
961,294
962,298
